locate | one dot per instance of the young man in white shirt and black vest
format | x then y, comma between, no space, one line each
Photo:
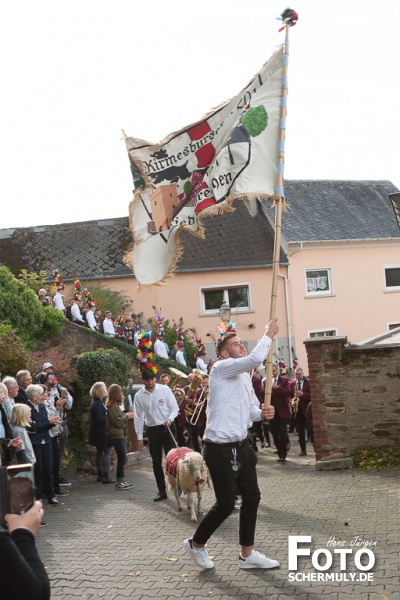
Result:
229,456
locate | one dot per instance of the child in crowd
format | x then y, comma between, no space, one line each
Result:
20,419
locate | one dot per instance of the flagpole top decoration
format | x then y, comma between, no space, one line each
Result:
288,17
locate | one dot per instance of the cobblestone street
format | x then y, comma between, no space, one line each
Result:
103,543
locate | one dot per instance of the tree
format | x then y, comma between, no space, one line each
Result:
13,355
20,308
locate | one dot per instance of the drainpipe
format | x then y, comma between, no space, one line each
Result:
286,281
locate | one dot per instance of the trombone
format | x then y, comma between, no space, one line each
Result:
199,407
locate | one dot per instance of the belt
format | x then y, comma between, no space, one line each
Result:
156,427
238,444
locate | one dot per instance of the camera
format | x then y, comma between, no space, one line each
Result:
17,489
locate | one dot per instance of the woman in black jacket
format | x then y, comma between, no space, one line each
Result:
97,431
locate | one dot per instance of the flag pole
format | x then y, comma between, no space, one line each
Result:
289,18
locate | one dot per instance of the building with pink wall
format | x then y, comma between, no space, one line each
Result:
339,265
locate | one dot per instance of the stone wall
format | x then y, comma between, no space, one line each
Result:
355,394
75,339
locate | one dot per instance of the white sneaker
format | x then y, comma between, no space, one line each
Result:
256,560
121,485
199,555
238,501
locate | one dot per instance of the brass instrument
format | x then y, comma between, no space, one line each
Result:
295,398
199,407
175,379
198,374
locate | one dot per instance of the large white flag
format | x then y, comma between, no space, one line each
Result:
230,153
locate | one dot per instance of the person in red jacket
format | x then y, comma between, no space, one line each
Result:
300,388
280,400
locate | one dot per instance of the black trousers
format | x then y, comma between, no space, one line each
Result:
279,432
196,432
227,482
159,440
301,426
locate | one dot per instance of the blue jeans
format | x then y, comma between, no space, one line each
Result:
120,449
227,482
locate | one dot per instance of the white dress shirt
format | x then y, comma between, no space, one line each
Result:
201,364
161,348
232,402
91,321
154,408
108,327
76,313
58,302
180,358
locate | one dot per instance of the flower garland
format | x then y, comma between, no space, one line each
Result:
77,291
201,351
58,280
145,355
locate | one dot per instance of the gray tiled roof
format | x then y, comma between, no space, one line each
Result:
233,240
78,250
337,210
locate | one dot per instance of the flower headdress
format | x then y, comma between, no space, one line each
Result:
58,280
201,351
225,327
160,326
180,338
282,366
120,320
77,291
295,363
145,356
88,298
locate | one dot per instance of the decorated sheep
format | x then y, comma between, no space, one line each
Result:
187,470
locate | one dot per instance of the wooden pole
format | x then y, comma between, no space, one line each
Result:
279,202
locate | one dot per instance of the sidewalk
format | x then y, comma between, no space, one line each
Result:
103,543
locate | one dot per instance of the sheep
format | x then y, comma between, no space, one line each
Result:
187,470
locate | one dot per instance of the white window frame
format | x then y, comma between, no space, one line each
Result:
310,331
225,287
319,293
393,288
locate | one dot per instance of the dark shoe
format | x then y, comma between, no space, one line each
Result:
303,453
60,493
63,481
160,496
99,478
43,524
54,502
106,478
283,460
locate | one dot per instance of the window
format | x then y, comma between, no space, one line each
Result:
322,333
393,326
392,278
318,282
237,297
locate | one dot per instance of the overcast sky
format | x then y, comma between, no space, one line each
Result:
75,74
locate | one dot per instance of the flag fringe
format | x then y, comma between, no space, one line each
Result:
217,209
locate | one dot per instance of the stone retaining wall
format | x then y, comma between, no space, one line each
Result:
355,394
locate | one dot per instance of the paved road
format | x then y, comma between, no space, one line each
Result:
103,543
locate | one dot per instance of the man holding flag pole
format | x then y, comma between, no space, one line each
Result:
237,151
